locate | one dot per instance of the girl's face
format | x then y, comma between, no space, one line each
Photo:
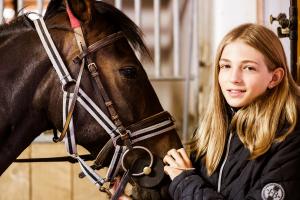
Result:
243,74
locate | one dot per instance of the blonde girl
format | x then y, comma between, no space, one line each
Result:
247,145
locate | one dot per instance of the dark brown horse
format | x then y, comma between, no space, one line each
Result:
31,92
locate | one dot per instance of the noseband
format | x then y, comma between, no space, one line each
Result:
122,139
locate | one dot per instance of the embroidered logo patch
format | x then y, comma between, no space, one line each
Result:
272,191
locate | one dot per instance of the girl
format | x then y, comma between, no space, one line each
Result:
248,143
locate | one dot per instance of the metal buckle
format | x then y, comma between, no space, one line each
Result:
92,67
124,134
125,137
105,188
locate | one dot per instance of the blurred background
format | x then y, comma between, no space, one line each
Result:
182,36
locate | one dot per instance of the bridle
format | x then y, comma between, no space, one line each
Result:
122,139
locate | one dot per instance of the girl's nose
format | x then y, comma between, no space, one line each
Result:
235,75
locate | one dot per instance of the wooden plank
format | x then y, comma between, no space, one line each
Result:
15,181
50,180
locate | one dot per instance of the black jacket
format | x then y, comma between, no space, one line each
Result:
274,175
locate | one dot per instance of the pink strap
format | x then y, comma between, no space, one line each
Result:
75,23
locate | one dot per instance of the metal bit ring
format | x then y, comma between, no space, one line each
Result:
147,169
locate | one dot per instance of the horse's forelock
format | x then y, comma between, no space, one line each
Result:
120,22
54,7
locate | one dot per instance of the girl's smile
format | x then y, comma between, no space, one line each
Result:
236,93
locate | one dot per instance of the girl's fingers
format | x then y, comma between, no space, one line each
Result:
183,154
174,154
170,161
186,159
177,156
176,162
180,157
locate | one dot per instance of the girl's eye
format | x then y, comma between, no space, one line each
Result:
249,68
224,66
129,72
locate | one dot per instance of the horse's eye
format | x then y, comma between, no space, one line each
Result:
128,72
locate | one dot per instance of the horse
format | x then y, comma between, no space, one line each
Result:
32,93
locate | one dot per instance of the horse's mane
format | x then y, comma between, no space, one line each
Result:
16,25
118,20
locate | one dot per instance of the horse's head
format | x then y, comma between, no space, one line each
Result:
114,79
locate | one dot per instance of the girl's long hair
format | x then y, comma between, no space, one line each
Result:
257,124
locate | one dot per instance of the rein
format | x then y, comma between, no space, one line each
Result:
69,159
122,139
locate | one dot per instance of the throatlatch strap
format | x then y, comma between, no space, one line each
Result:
70,142
71,106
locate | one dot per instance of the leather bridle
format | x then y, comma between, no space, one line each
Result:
122,139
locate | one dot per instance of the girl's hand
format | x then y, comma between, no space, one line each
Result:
176,162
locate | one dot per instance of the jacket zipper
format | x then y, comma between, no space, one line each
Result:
223,164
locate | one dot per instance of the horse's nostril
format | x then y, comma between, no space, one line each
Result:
154,178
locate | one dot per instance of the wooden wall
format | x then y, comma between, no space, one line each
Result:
46,181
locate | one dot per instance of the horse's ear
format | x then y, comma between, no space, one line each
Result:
81,9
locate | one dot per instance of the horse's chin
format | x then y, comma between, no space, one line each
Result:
160,192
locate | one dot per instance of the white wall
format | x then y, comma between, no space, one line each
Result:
229,14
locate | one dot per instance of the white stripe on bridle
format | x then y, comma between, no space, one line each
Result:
52,52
